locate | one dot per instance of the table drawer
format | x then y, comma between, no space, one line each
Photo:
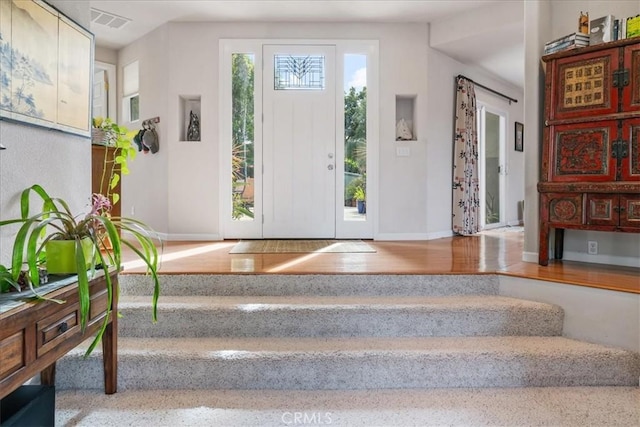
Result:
98,307
56,328
12,356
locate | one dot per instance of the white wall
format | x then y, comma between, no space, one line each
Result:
537,29
193,167
544,21
411,188
145,192
58,161
595,315
103,54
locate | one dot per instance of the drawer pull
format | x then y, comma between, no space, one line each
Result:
63,327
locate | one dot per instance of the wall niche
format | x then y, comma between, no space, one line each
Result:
406,118
190,118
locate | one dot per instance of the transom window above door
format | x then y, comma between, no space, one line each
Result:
298,72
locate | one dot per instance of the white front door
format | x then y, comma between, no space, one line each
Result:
299,148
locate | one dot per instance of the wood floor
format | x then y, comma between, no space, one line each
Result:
490,252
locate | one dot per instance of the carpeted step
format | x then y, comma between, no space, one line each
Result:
297,316
533,406
354,363
312,284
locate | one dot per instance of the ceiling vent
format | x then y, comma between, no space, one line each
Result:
108,19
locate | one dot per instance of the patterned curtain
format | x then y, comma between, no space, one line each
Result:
466,193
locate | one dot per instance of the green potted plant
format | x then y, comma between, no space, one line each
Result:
7,282
360,196
117,139
87,235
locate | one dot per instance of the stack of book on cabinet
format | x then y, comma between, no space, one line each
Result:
570,41
607,29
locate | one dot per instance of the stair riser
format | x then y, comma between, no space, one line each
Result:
327,285
340,322
351,371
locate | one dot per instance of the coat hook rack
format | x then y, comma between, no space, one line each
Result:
150,122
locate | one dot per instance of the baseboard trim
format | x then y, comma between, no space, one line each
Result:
439,234
188,237
193,237
401,236
602,259
530,257
413,236
584,257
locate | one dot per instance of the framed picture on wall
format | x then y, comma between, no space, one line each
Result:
519,137
47,61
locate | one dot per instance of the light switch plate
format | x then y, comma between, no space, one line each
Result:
403,151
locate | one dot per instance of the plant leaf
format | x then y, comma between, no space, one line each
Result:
83,285
114,181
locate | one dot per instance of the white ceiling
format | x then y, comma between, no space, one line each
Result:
501,55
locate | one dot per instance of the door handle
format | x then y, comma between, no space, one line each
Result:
330,167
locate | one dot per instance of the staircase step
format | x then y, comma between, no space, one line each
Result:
304,316
353,363
312,284
533,406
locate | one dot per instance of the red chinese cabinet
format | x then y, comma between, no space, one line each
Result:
590,174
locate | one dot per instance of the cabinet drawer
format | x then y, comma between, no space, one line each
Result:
602,209
630,210
564,208
12,355
56,329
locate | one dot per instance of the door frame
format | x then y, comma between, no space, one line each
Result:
110,69
253,229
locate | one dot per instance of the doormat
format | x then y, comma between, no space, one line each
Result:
300,246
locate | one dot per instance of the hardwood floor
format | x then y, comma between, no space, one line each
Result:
490,252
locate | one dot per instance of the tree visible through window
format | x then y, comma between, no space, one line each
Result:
242,137
355,137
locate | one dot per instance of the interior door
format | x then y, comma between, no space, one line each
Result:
299,169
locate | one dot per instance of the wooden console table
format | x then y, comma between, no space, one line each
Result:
35,334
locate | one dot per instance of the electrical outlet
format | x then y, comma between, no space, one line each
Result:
593,247
133,211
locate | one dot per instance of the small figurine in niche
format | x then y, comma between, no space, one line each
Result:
403,130
193,132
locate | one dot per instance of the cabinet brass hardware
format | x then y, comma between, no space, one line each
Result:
619,149
621,78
